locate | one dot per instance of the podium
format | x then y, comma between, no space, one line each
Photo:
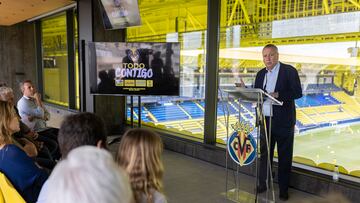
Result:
256,97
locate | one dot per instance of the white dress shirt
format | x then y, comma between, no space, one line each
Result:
269,85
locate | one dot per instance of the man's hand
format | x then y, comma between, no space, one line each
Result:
37,97
29,148
275,94
34,135
241,83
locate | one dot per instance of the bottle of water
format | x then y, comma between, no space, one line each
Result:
336,174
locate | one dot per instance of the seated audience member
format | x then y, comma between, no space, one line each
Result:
139,154
88,175
33,112
29,140
20,169
81,129
77,130
31,108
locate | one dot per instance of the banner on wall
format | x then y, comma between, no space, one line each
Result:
134,68
119,14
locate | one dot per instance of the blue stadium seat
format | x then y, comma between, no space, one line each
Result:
311,100
193,109
167,112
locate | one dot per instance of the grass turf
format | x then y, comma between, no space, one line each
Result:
337,144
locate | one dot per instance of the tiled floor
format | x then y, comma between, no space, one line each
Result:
189,180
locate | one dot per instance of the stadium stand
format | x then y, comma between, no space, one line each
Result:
316,100
321,88
194,110
167,112
322,105
344,98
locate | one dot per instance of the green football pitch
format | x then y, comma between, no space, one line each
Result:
337,144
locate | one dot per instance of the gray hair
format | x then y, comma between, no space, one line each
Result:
272,46
88,175
4,91
21,84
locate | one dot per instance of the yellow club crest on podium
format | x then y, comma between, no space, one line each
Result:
241,144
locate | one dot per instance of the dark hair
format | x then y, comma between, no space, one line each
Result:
81,129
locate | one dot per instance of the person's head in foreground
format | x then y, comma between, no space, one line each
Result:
7,95
88,175
81,129
9,123
139,154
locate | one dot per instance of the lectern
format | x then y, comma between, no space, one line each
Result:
251,124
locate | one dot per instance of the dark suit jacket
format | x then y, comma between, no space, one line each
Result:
289,88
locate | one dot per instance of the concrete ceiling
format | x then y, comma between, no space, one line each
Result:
15,11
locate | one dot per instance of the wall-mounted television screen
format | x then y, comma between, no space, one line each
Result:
118,14
134,68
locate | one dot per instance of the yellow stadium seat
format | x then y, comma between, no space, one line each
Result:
355,173
330,167
2,200
220,141
8,193
148,124
303,160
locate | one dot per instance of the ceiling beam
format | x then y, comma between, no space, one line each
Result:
355,3
243,8
326,6
233,11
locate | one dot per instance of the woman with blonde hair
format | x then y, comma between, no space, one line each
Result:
19,168
139,154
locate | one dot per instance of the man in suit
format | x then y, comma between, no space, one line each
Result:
282,82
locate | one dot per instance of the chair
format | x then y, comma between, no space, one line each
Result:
303,160
330,167
355,173
8,193
2,200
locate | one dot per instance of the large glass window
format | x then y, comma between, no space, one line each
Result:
55,60
55,57
325,51
184,22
